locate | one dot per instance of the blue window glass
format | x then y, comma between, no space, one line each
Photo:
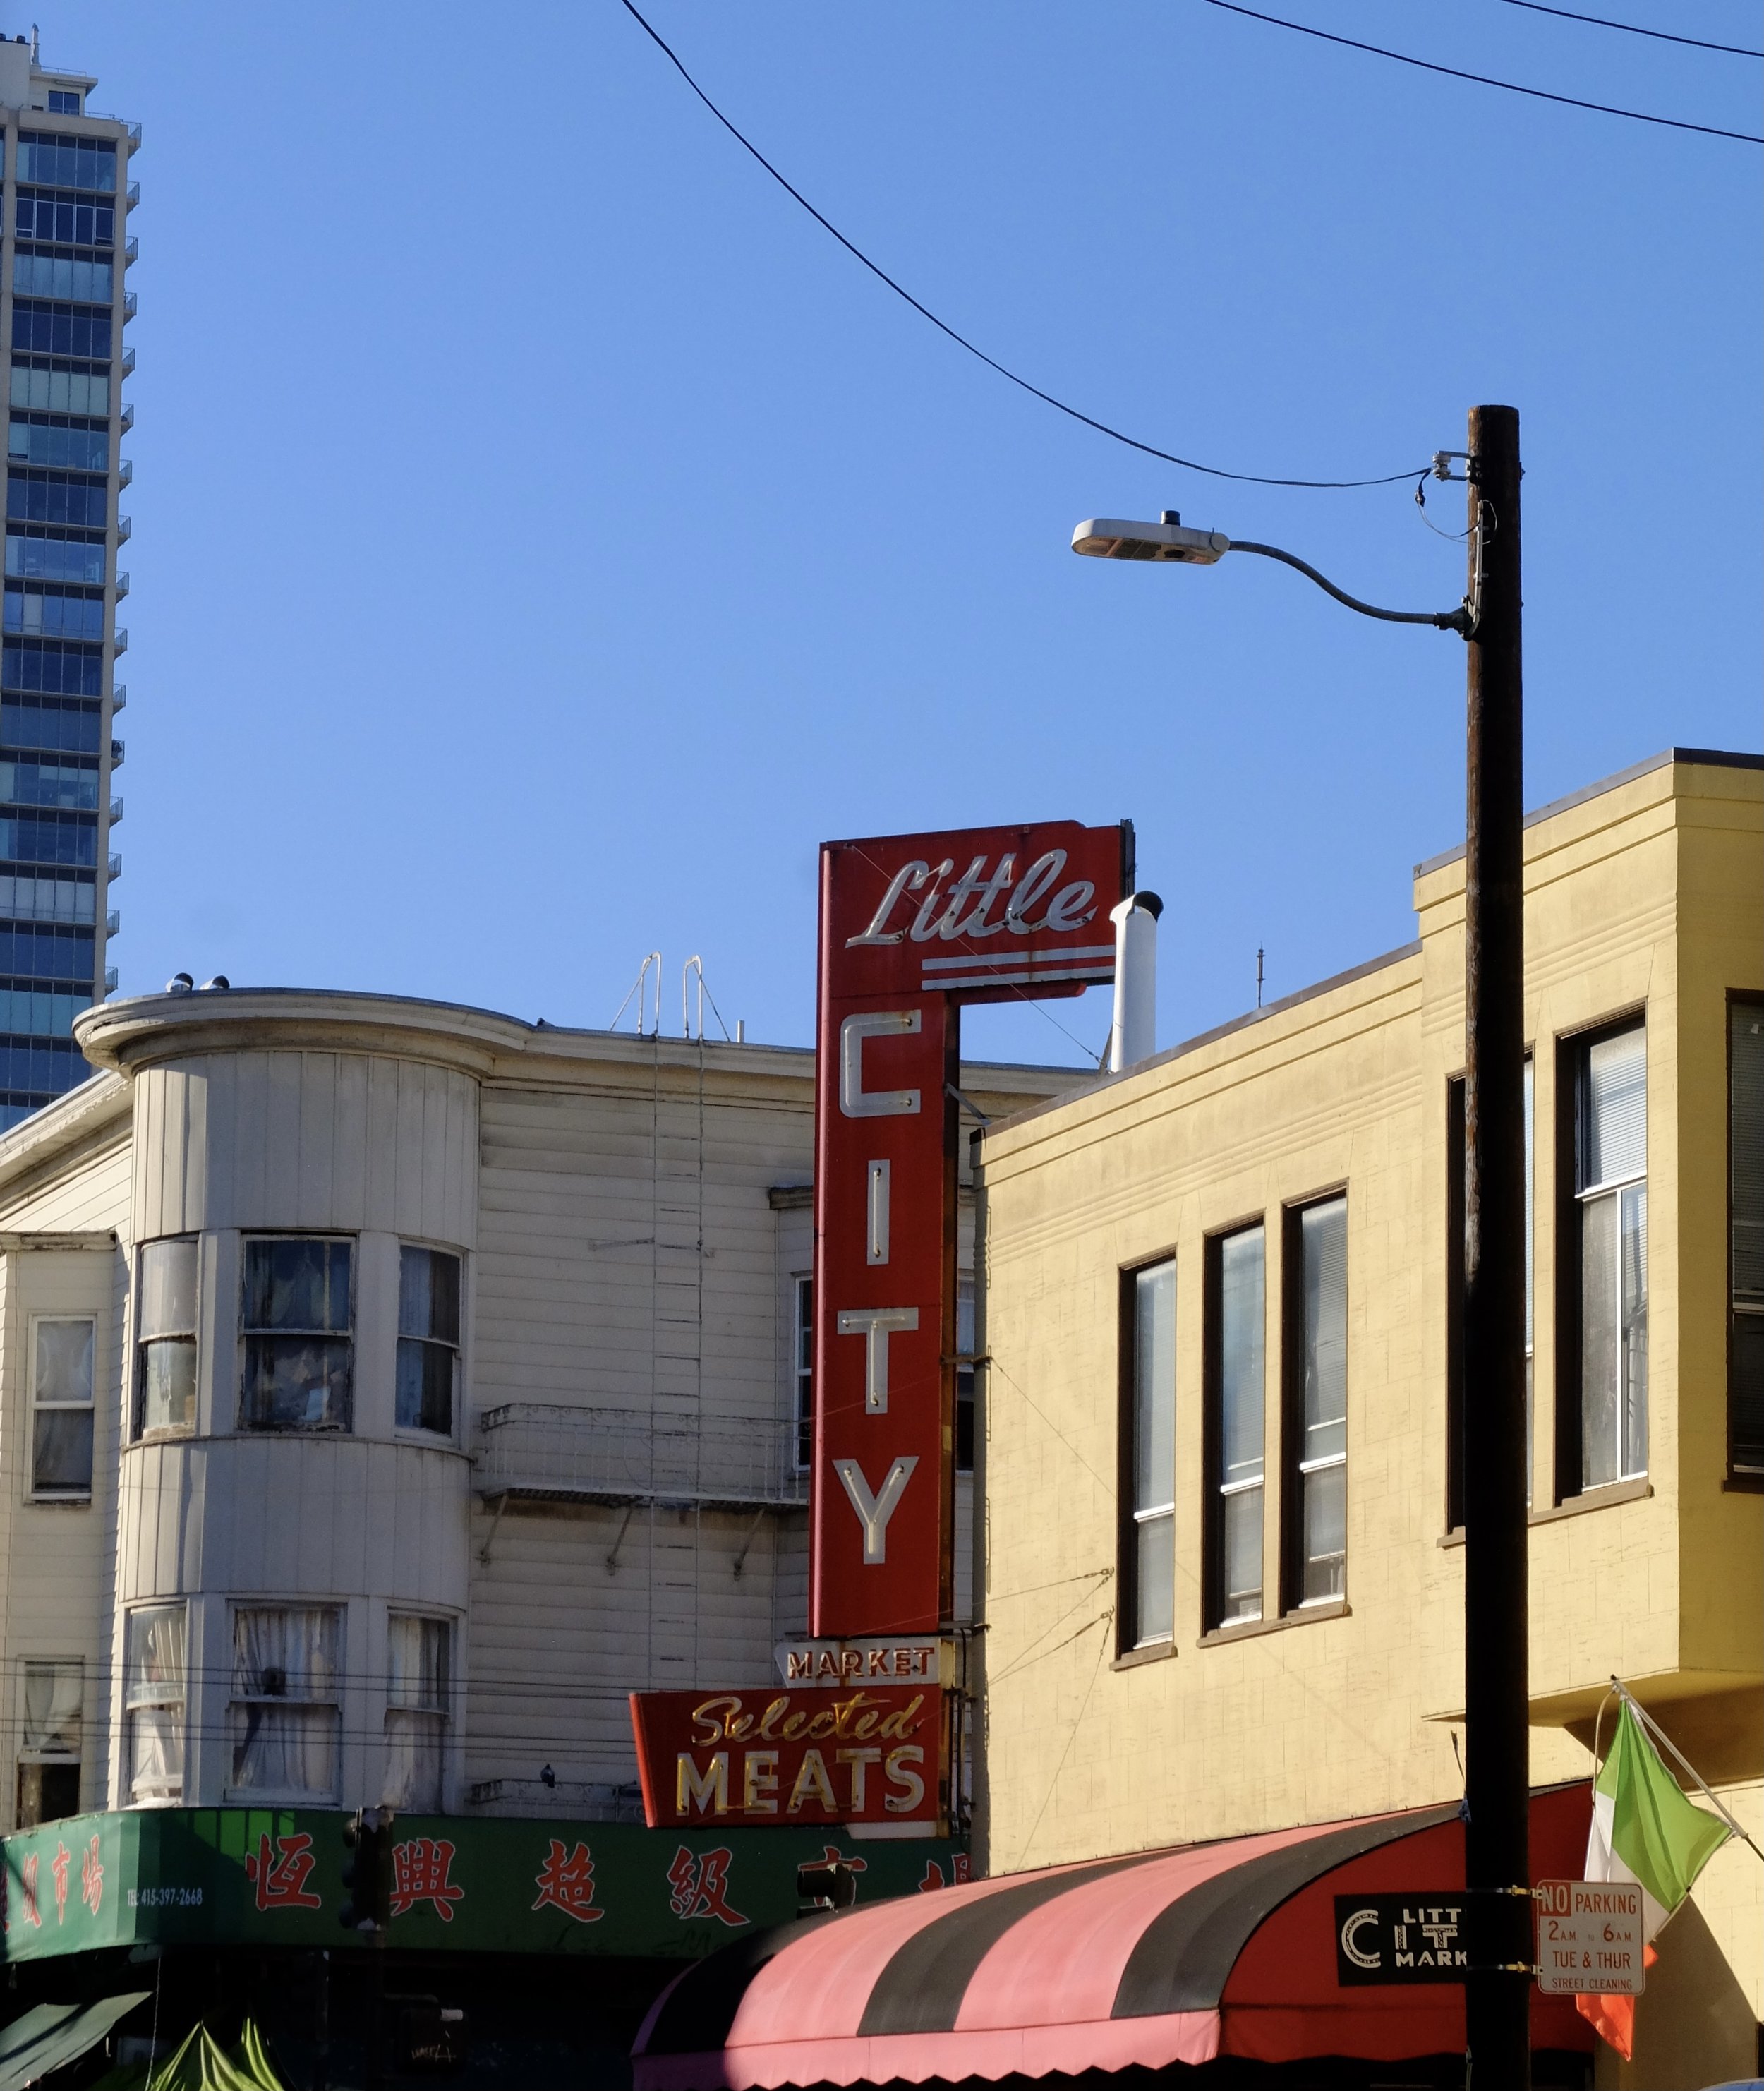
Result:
63,276
64,102
48,1014
49,837
56,329
41,1064
67,724
55,496
41,439
66,219
54,558
33,782
45,952
54,613
52,664
59,162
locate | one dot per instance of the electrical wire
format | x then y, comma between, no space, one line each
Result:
1634,29
1480,79
961,340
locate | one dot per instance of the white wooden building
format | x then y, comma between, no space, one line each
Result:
387,1388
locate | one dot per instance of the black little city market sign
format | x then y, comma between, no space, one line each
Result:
273,1876
1401,1938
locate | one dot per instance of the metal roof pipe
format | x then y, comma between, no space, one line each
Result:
1133,1036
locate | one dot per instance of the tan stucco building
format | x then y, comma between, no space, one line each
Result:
1222,1580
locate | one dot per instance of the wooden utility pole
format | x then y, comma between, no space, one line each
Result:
1497,1998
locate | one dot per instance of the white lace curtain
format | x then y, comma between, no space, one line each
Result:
53,1695
153,1692
285,1710
417,1711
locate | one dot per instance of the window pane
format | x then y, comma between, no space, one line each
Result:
1633,1334
153,1655
1323,1247
1747,1393
296,1383
1242,1556
168,1384
284,1652
285,1717
1598,1342
286,1749
64,1360
53,1695
294,1284
425,1378
1154,1387
414,1748
156,1754
429,1293
167,1305
1325,1532
1154,1570
1745,1137
416,1662
1614,1134
61,1460
1242,1331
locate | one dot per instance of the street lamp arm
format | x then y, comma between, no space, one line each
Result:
1457,620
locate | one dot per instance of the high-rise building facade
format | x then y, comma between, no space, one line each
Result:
64,251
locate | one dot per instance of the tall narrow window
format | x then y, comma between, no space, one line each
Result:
964,1374
417,1708
48,1759
1745,1151
285,1710
428,1339
1236,1344
1148,1392
1315,1494
298,1353
1611,1207
803,1369
61,1393
165,1338
153,1698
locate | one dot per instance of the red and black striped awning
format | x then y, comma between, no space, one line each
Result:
1160,1957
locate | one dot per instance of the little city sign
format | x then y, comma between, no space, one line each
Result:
1589,1938
1402,1937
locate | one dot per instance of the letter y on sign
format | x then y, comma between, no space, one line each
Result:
874,1511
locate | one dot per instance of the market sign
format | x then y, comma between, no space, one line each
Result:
265,1877
1401,1938
912,1659
872,1754
912,927
1589,1938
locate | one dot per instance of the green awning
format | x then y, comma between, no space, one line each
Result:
51,2036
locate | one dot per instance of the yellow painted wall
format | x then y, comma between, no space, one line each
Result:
1648,893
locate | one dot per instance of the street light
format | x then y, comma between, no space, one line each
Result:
1497,1782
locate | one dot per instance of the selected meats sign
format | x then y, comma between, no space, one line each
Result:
912,926
872,1754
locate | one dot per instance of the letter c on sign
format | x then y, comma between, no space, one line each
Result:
1349,1933
855,1099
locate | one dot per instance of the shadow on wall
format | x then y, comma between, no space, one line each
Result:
1694,2025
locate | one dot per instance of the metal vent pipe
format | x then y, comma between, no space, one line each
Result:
1133,1036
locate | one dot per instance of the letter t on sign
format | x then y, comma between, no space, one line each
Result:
873,1324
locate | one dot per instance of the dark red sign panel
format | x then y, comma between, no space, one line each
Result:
872,1754
912,926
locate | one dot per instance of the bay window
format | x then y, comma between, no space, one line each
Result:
153,1645
299,1354
417,1708
428,1339
285,1714
165,1338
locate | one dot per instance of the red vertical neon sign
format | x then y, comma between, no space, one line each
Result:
912,926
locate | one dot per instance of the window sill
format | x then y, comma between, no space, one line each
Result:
1336,1608
60,1502
1131,1658
1591,1499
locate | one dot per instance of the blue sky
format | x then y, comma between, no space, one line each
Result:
545,535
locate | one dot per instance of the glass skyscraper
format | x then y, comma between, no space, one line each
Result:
63,309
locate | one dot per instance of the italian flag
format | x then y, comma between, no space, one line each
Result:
1646,1831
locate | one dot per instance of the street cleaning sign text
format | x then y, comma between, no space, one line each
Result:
1589,1938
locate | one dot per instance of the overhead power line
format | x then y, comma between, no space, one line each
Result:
1635,29
961,340
1480,79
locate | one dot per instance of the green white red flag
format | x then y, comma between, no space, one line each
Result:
1644,1829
